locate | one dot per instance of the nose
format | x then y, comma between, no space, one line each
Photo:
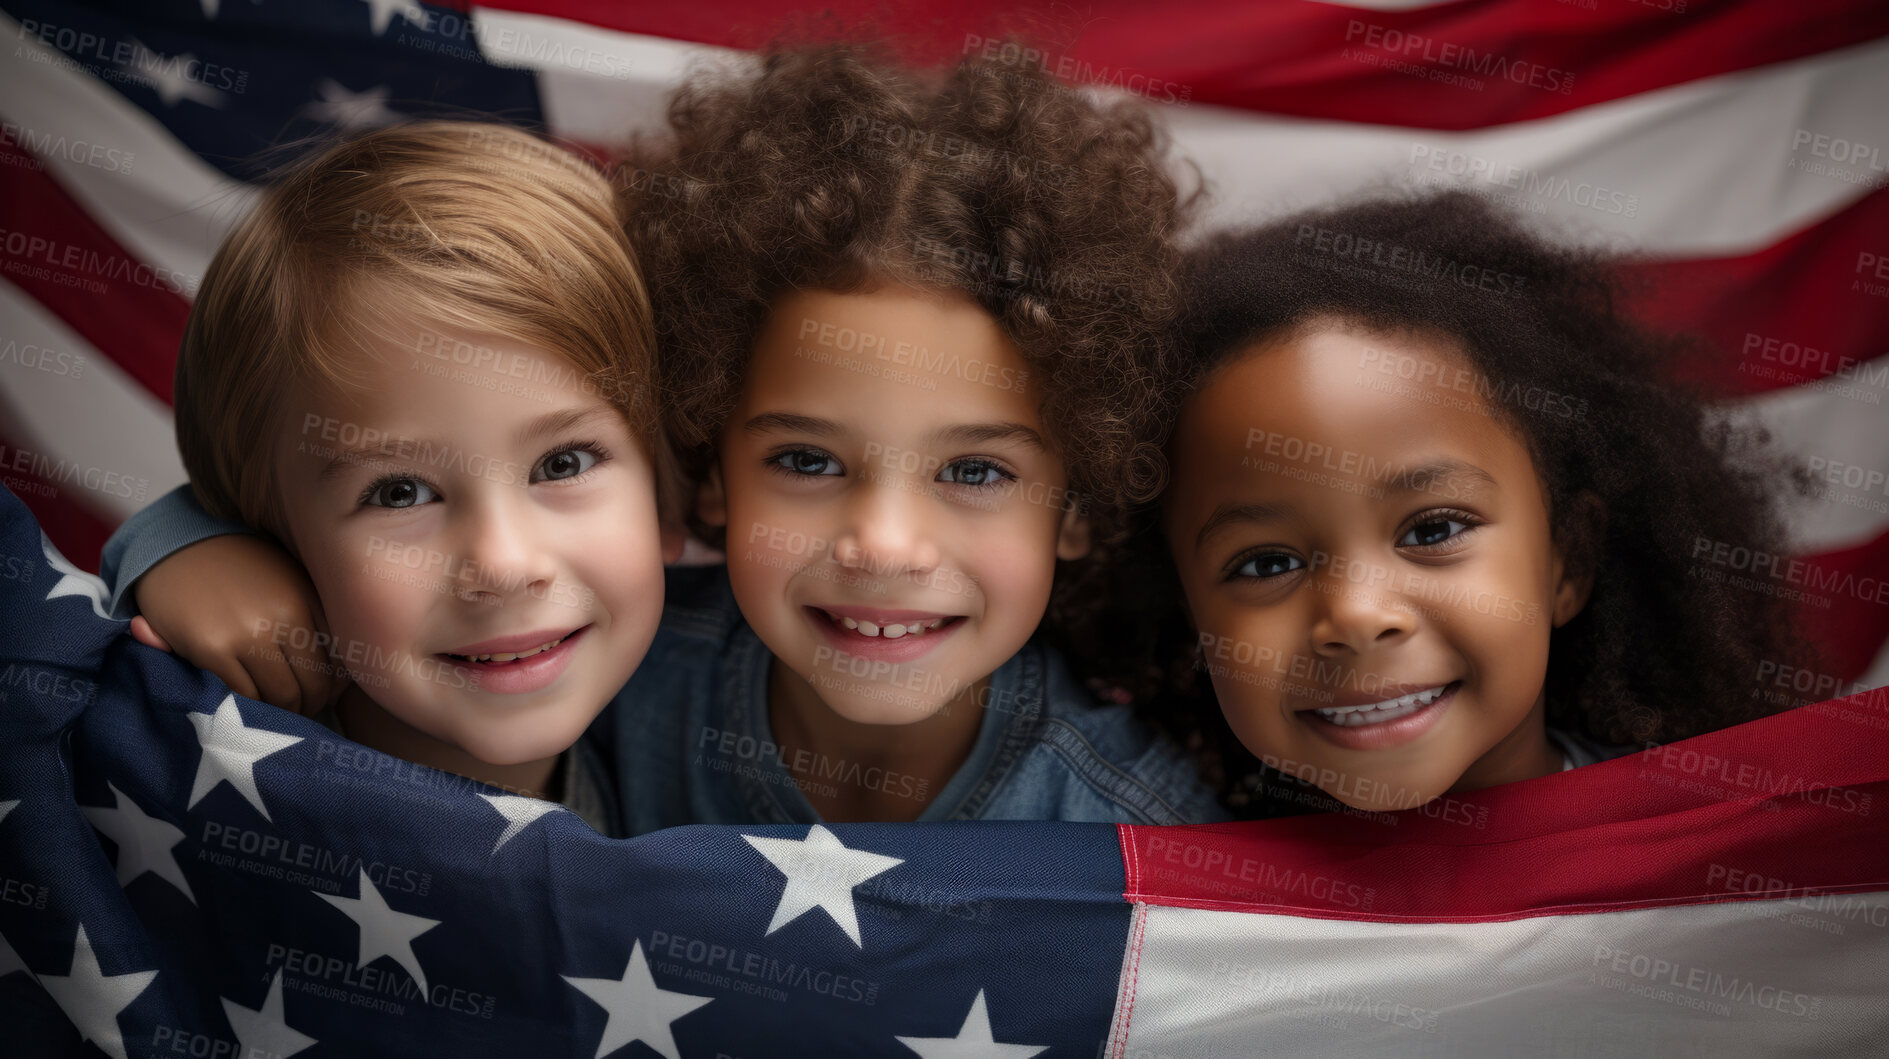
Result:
506,551
887,531
1355,617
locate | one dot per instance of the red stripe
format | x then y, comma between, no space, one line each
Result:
79,534
1845,609
1794,802
55,252
1324,61
1800,310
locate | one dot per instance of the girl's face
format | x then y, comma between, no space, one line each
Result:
1366,553
474,497
893,507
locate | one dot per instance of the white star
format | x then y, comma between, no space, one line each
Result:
973,1040
821,873
645,1010
382,13
519,812
348,109
230,752
264,1032
74,581
92,999
384,932
7,807
144,842
169,76
10,961
209,9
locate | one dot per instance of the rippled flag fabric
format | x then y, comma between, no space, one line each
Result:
185,871
1740,150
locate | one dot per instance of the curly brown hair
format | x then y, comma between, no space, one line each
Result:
1636,470
828,167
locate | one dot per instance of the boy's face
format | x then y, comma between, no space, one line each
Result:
1350,536
893,510
470,498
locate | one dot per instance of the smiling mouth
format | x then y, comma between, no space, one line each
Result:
506,657
1387,710
891,630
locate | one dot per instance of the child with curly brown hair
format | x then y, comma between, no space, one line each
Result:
1441,519
909,322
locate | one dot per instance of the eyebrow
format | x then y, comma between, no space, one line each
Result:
1418,479
791,422
960,434
550,423
1228,513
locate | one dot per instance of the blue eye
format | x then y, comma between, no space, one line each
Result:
1267,565
811,463
397,492
1433,531
566,463
974,473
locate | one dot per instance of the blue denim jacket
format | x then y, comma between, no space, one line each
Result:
693,743
172,521
689,742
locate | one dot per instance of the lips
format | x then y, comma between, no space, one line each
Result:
891,635
508,648
1384,709
1384,723
889,624
512,665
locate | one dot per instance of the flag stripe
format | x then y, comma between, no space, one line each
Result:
59,255
1756,978
1794,312
1515,842
1472,65
171,209
128,455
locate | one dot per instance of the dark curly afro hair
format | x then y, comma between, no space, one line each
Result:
1635,468
829,167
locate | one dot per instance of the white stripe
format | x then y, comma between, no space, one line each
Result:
1877,675
631,79
1795,977
1704,167
1834,430
108,439
169,209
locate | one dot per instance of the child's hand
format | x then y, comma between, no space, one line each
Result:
220,604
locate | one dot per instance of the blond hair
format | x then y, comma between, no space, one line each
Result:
477,228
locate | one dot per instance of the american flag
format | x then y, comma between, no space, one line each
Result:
183,872
1741,150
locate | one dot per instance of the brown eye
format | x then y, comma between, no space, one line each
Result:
1431,532
1267,565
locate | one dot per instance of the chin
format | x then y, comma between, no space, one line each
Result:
889,711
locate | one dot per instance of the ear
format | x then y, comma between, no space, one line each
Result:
1072,537
711,502
1574,581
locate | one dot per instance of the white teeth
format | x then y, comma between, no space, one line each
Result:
513,656
890,630
1380,712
